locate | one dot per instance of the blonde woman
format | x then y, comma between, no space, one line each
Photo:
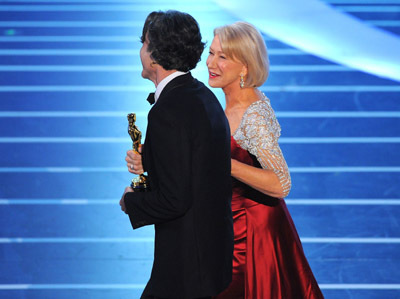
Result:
268,257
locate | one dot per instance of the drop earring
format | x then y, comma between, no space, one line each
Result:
241,81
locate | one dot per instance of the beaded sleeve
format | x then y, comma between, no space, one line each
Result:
258,133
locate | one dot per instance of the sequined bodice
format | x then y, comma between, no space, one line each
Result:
258,133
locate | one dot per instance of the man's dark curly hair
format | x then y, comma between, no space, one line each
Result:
174,40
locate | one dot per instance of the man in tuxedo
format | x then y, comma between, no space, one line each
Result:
186,154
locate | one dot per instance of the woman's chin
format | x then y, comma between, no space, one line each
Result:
213,84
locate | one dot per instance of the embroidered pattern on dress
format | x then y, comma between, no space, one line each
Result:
258,133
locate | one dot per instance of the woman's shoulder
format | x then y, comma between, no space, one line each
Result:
260,113
259,124
261,108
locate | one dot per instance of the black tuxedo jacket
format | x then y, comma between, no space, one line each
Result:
187,156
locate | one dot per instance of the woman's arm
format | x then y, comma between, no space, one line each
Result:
259,135
263,180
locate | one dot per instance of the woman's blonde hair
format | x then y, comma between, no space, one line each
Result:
242,42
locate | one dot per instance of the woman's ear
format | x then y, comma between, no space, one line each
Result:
244,71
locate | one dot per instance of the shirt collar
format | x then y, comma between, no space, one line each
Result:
165,81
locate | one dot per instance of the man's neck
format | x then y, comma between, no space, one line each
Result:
161,74
166,78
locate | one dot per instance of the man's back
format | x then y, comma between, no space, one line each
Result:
187,156
193,249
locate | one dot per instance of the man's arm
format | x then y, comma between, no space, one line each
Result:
171,159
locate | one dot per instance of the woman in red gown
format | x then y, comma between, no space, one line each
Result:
268,261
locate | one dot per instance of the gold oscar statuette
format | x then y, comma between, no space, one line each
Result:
138,184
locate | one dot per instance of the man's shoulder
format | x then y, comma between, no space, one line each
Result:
188,92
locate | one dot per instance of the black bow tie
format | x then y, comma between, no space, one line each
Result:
151,98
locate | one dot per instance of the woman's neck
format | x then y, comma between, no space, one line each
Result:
240,97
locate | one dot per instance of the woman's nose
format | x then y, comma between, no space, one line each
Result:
210,61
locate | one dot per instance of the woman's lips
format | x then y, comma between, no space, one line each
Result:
212,75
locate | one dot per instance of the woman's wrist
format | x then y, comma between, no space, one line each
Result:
233,167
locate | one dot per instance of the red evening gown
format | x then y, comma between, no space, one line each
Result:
268,259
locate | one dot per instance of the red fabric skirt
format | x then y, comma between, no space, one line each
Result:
269,261
268,258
